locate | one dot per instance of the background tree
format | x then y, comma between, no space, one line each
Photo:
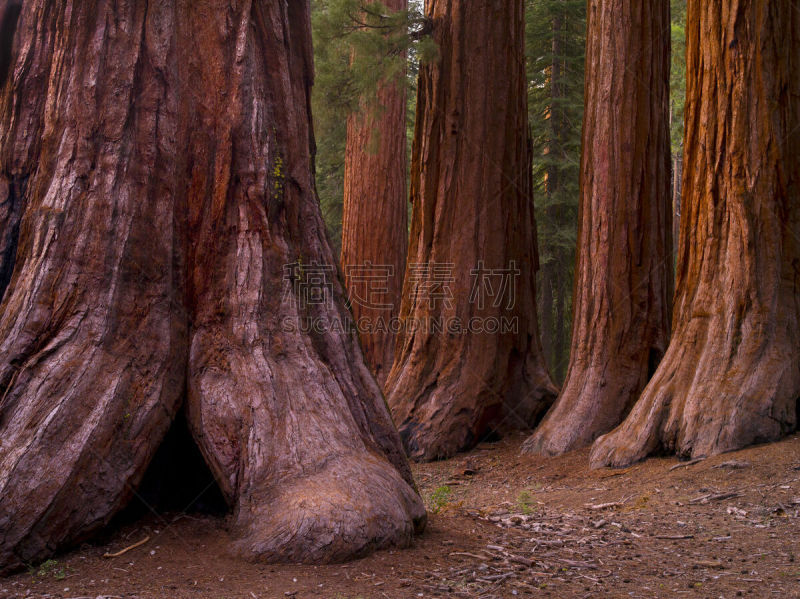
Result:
555,38
471,192
357,45
375,213
555,49
161,205
677,99
624,270
731,375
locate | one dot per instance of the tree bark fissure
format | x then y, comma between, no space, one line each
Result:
624,273
731,375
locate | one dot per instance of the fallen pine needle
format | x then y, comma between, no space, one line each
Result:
128,548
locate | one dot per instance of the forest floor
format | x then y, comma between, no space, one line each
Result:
502,525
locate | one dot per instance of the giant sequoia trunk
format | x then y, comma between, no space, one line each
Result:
156,162
624,267
375,219
472,257
731,375
92,347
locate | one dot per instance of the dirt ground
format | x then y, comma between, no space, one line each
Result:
502,525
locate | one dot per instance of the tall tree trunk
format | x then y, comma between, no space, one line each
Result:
731,375
288,417
375,219
620,318
471,191
92,346
167,181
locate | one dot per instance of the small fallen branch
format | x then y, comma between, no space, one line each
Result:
709,564
466,554
604,506
523,561
686,464
496,577
618,473
674,537
576,564
715,497
128,548
733,465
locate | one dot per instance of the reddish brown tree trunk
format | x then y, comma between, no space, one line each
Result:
472,211
731,375
92,349
621,306
375,219
292,422
164,170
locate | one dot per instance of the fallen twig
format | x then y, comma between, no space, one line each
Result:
523,561
715,497
576,564
733,465
686,464
604,506
617,473
128,548
465,554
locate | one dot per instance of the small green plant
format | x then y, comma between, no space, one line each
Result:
525,502
440,498
278,177
51,569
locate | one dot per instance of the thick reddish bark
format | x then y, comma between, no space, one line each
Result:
92,349
161,156
731,375
292,423
472,209
375,218
624,267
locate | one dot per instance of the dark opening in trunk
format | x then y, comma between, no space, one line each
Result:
177,480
